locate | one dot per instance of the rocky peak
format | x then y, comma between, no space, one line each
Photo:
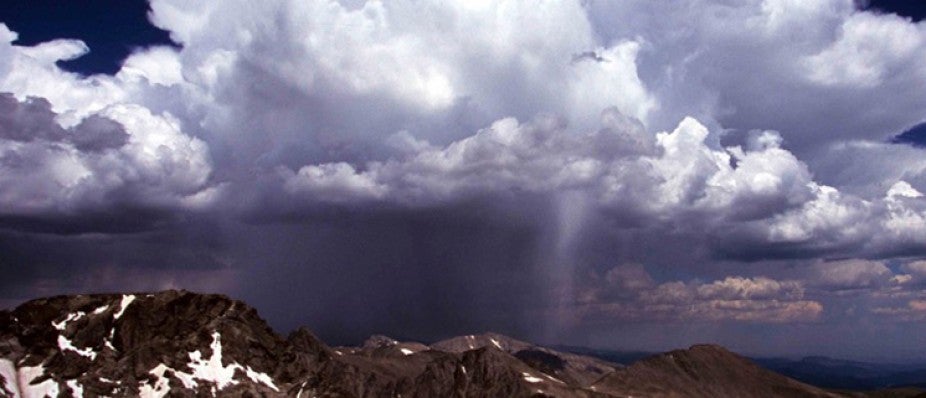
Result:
476,341
379,341
123,344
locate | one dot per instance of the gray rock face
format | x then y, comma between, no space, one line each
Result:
182,344
141,345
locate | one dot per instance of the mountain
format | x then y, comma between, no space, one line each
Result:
825,372
843,374
570,368
183,344
703,371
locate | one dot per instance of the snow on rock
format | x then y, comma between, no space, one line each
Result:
207,370
495,342
406,351
8,371
212,369
65,345
100,310
126,300
46,388
260,377
77,390
108,342
161,384
71,317
554,379
531,378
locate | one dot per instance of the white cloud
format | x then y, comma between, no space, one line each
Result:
675,176
87,147
850,274
867,48
819,72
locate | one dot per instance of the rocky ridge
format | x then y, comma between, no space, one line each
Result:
183,344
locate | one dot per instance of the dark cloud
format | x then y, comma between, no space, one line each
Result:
97,133
33,119
29,120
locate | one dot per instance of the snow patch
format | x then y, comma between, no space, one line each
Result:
109,341
406,351
531,378
161,384
260,377
60,326
65,345
77,390
495,342
126,300
553,378
8,371
208,370
27,374
100,310
212,369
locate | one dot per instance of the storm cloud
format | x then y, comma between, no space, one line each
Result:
563,171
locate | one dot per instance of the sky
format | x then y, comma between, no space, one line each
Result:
621,174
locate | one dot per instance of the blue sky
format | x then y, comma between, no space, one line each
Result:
622,174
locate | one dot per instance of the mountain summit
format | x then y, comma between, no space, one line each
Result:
177,343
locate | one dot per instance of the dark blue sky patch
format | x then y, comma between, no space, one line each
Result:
915,9
915,136
111,28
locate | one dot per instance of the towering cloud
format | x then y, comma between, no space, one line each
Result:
518,155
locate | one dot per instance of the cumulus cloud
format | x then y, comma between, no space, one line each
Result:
819,291
71,147
282,100
850,274
762,190
777,64
627,292
47,169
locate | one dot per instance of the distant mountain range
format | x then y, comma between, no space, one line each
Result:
820,371
182,344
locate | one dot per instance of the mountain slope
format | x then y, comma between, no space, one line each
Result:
703,371
571,368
